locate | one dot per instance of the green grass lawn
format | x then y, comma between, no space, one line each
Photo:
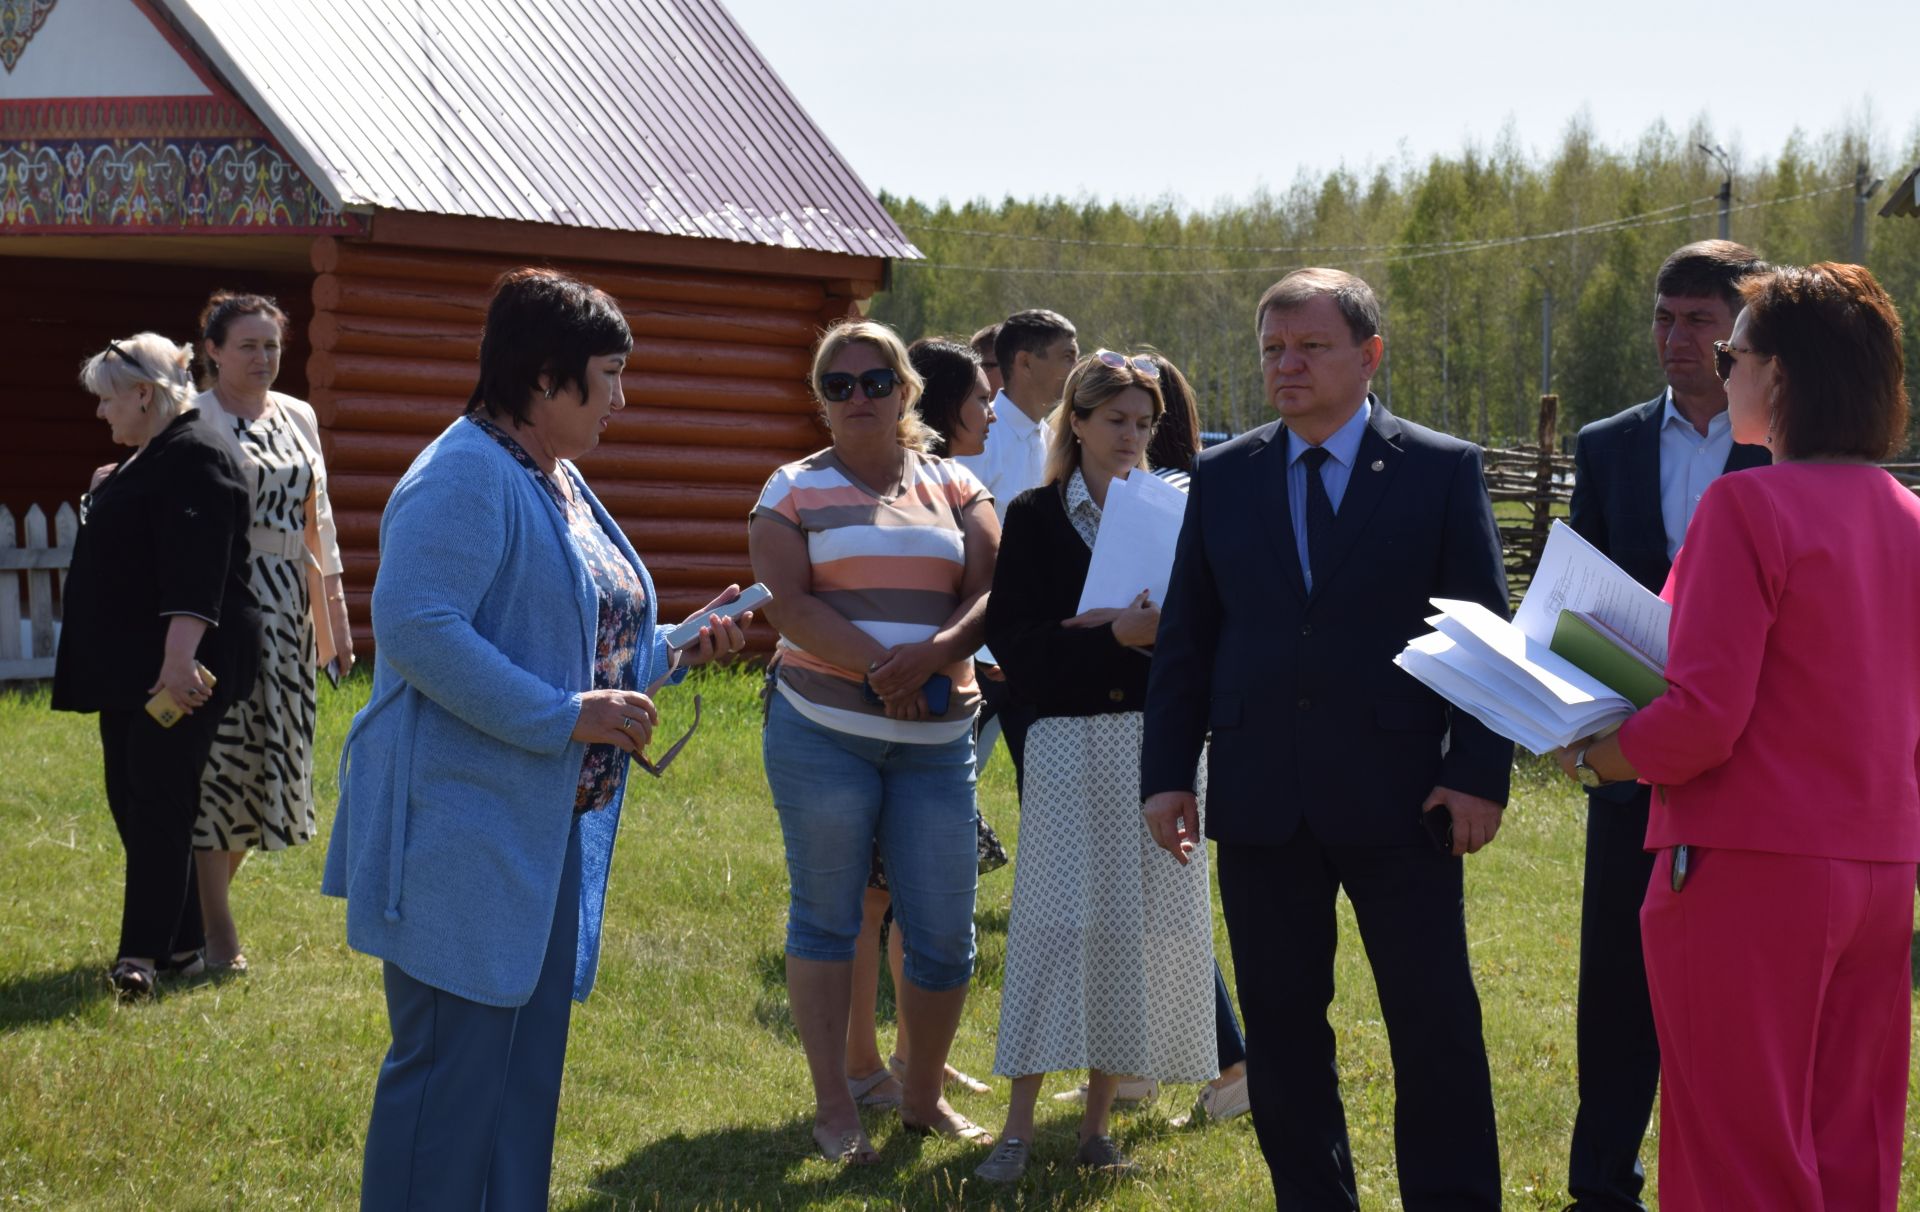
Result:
685,1085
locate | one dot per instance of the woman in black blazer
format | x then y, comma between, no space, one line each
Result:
157,589
1087,985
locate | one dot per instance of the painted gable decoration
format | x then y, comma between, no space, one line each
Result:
19,21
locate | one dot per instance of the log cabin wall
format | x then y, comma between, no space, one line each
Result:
55,312
716,398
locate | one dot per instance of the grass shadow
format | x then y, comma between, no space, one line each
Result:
48,997
737,1167
1913,959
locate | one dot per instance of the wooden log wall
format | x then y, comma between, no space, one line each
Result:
715,390
55,312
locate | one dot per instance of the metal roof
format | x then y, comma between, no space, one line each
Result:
622,115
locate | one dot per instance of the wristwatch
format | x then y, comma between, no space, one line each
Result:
1588,776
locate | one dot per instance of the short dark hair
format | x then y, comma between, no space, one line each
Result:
949,369
1355,298
1176,439
983,342
1836,334
540,321
1028,331
222,308
1708,269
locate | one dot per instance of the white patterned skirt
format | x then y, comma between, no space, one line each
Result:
1110,939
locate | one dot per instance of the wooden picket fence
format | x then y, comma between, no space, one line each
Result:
30,556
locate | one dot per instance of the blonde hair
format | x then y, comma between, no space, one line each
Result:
1092,384
914,434
146,358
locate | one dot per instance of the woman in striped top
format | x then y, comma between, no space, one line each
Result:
879,557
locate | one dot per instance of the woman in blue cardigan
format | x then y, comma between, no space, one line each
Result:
480,787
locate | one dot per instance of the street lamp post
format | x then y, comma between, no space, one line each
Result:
1726,188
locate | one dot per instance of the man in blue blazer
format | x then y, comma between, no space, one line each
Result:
1310,549
1637,477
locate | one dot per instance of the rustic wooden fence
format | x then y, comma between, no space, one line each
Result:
28,655
1535,481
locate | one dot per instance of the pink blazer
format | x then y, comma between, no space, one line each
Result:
1792,724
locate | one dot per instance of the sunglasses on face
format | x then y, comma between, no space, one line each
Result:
1723,359
1119,361
876,384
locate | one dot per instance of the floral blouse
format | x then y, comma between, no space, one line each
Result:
623,601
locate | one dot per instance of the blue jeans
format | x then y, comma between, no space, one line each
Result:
838,796
464,1111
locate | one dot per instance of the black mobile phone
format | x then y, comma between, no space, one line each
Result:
1438,821
938,691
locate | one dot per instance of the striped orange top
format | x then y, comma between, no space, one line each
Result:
892,565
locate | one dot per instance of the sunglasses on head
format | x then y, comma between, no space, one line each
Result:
1723,359
877,384
1120,361
113,347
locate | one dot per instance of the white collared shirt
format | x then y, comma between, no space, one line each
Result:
1016,455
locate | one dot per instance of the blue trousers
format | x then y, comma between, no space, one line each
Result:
463,1114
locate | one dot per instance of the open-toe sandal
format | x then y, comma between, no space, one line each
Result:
957,1127
130,981
867,1091
849,1148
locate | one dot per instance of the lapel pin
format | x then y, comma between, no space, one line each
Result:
1379,464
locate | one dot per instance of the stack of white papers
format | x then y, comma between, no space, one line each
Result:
1504,674
1139,528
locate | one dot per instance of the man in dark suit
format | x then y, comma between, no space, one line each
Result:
1310,548
1637,477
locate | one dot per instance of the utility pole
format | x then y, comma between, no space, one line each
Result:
1726,188
1862,190
1546,333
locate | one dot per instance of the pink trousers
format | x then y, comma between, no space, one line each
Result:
1781,989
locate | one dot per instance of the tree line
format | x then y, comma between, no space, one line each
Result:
1463,250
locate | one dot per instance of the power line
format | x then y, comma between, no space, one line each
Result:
1399,253
1064,242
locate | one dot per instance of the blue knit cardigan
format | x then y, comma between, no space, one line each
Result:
457,779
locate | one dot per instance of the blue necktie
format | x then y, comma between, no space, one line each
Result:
1319,516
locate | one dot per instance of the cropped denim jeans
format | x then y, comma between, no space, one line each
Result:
838,795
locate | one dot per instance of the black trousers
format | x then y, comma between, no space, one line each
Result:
1279,903
1619,1053
1015,719
153,791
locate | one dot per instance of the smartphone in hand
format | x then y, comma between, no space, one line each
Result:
688,632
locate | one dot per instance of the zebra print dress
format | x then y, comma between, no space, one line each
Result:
257,790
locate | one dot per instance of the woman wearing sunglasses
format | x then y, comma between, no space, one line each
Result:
1110,940
480,787
879,557
957,407
156,601
1785,816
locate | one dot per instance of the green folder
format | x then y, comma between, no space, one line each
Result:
1596,651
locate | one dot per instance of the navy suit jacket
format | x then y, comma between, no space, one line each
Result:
1616,501
1311,721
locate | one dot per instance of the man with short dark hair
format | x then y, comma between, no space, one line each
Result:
982,343
1035,349
1637,477
1309,552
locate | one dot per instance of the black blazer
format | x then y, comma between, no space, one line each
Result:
1616,502
164,534
1058,671
1311,720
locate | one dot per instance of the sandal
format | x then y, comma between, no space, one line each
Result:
866,1090
184,966
955,1080
849,1148
957,1127
131,981
237,966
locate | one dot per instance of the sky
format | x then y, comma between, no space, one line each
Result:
1207,101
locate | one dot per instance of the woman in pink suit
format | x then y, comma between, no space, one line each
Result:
1786,813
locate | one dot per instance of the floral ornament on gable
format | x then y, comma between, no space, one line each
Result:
20,20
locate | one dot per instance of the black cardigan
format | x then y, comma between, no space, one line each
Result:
1057,670
165,533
